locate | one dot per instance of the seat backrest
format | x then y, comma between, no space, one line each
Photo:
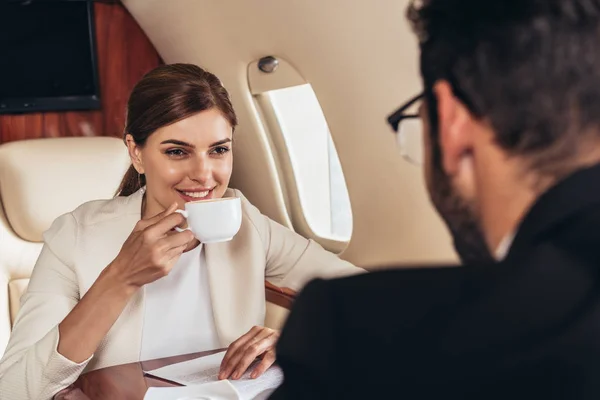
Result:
41,179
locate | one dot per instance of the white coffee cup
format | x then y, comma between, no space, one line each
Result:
214,220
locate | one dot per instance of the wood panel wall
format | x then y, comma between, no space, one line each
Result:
124,55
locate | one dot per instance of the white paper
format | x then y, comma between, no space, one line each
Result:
206,369
222,390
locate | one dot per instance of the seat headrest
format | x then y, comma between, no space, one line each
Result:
41,179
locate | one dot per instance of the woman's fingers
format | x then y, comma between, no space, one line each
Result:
144,223
233,349
252,351
236,358
239,349
164,225
267,360
172,255
176,240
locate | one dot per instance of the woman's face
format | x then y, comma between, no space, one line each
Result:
189,160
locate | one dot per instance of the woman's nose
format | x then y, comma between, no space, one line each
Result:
201,171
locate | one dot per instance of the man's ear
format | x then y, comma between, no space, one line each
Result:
454,126
135,154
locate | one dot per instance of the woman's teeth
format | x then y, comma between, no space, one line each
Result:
197,195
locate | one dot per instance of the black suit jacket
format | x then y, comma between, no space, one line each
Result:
526,328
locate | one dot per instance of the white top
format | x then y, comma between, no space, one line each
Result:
178,315
504,246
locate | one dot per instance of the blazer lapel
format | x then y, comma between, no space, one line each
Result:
135,309
236,275
237,299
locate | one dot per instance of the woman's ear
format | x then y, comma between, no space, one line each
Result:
135,154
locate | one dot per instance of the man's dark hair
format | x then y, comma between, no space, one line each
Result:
531,68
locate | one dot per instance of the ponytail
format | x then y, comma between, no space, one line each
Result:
131,182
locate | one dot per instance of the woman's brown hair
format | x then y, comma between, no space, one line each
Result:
165,95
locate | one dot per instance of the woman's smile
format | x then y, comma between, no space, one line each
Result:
195,194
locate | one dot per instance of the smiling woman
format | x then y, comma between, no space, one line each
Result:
116,283
188,160
186,114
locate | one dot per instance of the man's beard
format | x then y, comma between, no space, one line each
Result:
469,241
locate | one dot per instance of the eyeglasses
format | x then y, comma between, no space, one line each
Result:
409,131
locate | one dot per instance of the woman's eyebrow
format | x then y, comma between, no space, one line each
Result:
220,142
177,142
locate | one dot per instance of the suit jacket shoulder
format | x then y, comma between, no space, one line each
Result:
509,330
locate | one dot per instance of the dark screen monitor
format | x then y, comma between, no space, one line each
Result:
47,56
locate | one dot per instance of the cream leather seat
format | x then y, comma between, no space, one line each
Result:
39,180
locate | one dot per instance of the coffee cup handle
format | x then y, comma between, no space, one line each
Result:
185,214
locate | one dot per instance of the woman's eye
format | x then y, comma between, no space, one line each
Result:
175,152
221,150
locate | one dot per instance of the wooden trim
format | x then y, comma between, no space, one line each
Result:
124,55
283,297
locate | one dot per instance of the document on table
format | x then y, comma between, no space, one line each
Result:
206,369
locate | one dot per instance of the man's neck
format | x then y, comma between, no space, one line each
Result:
505,195
502,213
507,187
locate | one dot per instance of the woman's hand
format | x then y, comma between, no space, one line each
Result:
151,250
258,342
149,253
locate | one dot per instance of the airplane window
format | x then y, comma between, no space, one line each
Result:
316,167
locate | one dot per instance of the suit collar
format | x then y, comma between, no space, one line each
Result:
570,196
133,203
230,281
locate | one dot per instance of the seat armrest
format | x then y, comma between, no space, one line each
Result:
283,297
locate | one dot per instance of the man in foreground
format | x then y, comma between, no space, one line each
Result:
511,131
